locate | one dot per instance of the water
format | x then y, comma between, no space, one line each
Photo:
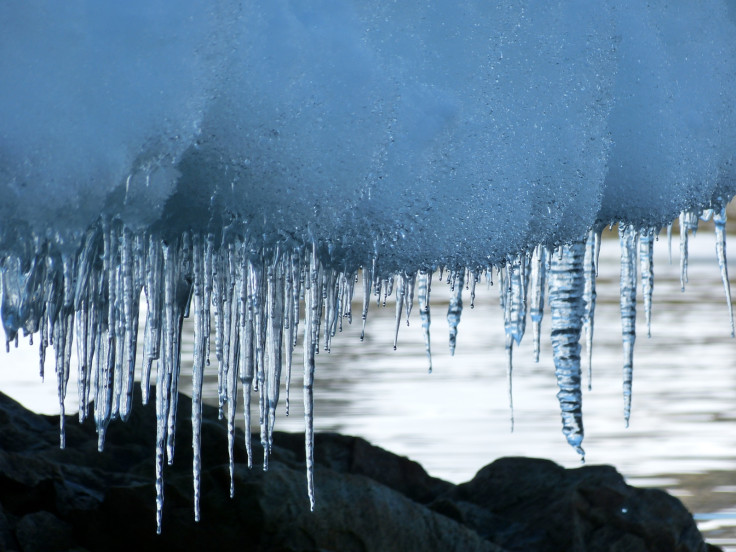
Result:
456,420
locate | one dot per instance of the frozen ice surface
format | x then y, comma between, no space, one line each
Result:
241,162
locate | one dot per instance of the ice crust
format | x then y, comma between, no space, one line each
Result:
427,134
247,161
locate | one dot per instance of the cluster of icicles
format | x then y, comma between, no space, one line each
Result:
255,299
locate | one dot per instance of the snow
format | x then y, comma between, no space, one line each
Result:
245,159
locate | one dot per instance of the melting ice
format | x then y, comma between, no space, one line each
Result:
247,164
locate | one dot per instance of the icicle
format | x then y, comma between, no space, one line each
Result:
455,309
247,354
220,288
209,249
368,275
274,339
719,219
64,330
182,295
425,285
312,297
411,282
400,293
646,267
165,374
231,350
105,361
688,222
516,281
538,284
197,368
566,280
152,336
475,277
669,241
388,289
628,236
132,280
289,327
597,247
590,271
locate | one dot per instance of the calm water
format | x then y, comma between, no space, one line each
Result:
682,434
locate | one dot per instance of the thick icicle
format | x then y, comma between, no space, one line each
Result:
455,310
592,247
538,285
566,281
628,236
646,267
425,287
719,220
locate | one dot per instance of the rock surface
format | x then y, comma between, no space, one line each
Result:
367,498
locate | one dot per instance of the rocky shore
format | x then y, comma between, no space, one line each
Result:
368,499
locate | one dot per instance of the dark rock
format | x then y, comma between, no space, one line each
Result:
43,532
547,508
367,498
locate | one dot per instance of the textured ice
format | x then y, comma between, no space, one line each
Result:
246,163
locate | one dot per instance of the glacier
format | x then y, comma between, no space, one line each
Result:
247,164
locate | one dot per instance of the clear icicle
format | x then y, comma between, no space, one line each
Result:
669,242
455,310
232,359
538,284
197,368
627,237
312,297
688,223
368,275
247,355
646,267
152,337
400,294
597,248
274,340
566,281
513,303
425,287
719,218
411,282
592,246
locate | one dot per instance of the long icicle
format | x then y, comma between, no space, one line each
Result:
627,237
646,267
312,296
425,287
566,281
592,246
198,368
719,219
538,285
